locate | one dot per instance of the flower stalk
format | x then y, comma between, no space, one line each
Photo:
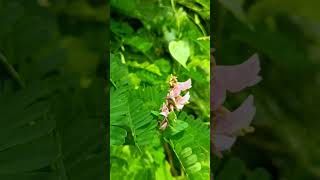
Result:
175,100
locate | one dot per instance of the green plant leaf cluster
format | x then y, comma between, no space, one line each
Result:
151,41
240,171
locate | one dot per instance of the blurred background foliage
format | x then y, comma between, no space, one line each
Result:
150,40
286,35
52,97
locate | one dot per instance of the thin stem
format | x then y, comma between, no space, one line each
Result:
173,6
170,158
184,169
196,20
11,70
113,83
59,160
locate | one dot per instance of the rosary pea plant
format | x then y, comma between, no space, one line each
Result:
159,94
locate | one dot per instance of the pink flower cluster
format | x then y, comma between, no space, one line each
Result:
174,99
227,126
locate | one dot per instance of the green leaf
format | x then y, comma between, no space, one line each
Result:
30,176
192,147
180,51
270,43
90,167
200,6
128,111
80,58
186,152
118,102
152,96
118,135
146,65
28,157
119,106
234,165
141,123
156,113
236,7
10,137
259,174
163,172
172,117
141,43
176,127
52,128
303,9
120,28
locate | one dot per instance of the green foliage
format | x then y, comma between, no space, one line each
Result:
51,90
239,171
192,147
149,42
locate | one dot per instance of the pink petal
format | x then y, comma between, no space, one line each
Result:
179,106
181,101
218,94
164,125
164,110
223,135
236,120
174,92
234,79
222,143
184,85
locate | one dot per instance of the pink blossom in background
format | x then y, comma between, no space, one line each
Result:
227,126
234,79
230,125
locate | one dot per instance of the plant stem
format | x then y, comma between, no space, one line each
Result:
11,70
173,6
184,169
168,152
59,162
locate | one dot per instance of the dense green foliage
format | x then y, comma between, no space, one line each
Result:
286,36
52,98
151,40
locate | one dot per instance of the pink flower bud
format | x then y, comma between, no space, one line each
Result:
163,125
